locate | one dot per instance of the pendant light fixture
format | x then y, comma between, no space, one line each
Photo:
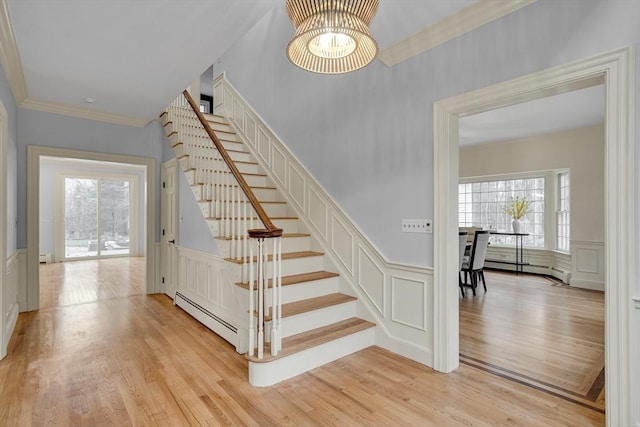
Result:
332,36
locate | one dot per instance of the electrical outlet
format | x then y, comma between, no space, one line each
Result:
417,226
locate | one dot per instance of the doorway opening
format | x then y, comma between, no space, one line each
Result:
615,69
90,210
110,233
543,328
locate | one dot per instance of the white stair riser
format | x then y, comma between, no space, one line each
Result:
300,291
216,126
293,325
242,167
300,265
289,244
269,373
287,225
179,150
228,136
267,194
256,180
272,209
306,290
204,146
275,209
208,162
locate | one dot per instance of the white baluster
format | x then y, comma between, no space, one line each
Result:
252,319
260,297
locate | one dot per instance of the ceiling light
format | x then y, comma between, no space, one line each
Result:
332,36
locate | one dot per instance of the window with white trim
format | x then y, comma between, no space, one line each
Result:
562,214
483,204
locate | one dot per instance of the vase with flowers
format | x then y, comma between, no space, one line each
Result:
517,209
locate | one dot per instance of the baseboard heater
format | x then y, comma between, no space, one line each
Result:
218,325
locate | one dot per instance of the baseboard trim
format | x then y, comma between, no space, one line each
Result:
218,325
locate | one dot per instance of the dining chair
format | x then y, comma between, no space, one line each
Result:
474,266
462,238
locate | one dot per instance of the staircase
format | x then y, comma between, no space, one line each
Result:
317,323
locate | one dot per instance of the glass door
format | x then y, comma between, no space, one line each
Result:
97,217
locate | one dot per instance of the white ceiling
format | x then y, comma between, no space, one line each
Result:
134,56
130,56
570,110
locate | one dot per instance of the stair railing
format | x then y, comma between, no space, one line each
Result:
231,201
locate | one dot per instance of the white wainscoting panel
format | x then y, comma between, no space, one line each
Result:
408,302
238,114
371,279
297,188
264,146
251,130
279,166
10,307
587,267
208,281
342,243
364,271
318,214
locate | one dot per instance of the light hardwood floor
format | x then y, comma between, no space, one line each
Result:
537,331
76,282
139,360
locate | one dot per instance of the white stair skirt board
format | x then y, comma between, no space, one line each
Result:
270,373
211,321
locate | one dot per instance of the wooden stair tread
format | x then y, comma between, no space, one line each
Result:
316,303
284,235
315,337
286,255
298,278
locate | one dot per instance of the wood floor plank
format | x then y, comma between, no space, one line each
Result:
140,360
537,331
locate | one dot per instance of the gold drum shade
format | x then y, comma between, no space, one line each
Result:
332,36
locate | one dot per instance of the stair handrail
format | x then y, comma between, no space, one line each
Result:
270,229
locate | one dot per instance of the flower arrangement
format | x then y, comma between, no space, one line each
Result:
518,207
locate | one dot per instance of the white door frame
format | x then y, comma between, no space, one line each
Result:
33,212
3,224
616,68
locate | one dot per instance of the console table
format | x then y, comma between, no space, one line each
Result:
519,262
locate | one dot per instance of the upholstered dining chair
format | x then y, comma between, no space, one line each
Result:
474,266
463,246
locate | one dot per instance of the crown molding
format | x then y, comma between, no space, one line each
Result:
478,14
82,113
9,56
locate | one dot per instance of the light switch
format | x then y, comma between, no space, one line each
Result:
417,226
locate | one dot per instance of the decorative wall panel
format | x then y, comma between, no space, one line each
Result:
279,166
318,213
371,279
238,115
264,147
250,131
296,187
342,243
408,302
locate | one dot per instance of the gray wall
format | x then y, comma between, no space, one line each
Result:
367,136
53,130
193,231
11,162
